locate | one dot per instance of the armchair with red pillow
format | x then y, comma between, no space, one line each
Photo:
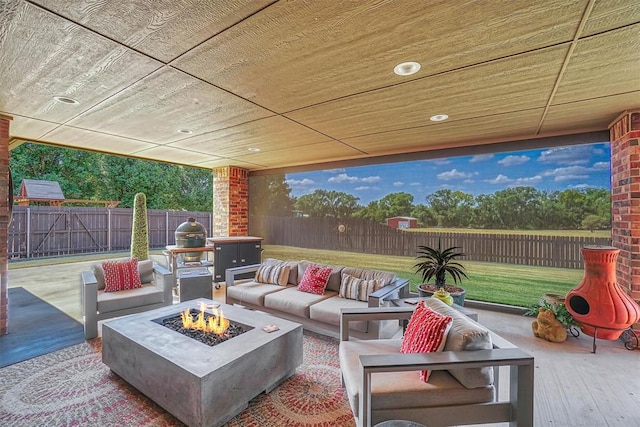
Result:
117,288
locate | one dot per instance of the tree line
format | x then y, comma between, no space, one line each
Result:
96,176
525,208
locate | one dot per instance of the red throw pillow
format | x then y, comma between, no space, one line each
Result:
426,333
315,279
121,275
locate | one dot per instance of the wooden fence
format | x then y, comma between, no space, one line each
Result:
356,235
45,231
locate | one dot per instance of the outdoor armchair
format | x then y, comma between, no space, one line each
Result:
156,291
382,383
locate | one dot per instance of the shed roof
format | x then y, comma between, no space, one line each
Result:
40,189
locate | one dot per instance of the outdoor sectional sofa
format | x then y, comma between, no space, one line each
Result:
320,313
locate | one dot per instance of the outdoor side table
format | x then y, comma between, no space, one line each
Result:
195,283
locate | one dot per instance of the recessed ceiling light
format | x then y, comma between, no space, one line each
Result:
253,149
66,100
406,68
438,118
185,131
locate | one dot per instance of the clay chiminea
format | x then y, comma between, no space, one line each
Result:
601,307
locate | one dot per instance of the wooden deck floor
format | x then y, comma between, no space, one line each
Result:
573,386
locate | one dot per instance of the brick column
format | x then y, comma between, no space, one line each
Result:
4,223
625,199
230,202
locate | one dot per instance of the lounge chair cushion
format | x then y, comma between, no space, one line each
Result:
402,390
122,300
465,334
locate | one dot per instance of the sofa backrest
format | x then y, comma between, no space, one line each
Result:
293,268
145,268
465,335
334,278
384,277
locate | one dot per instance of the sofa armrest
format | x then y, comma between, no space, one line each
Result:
164,281
521,374
231,273
370,313
89,303
399,288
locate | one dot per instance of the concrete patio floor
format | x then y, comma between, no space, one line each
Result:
573,386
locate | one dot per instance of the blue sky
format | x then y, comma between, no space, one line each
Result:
559,168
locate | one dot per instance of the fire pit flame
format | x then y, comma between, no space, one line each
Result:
216,324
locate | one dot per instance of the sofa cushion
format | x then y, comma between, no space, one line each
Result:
121,275
391,390
314,280
328,311
466,335
426,333
358,289
290,300
145,268
251,292
293,268
383,277
334,279
99,273
122,300
273,274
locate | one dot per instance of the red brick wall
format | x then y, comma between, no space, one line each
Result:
230,202
625,199
4,223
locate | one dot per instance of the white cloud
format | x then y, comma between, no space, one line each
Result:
343,177
527,181
415,184
601,166
398,184
572,155
468,181
370,179
453,174
581,186
568,173
299,183
365,187
481,158
500,179
340,170
514,160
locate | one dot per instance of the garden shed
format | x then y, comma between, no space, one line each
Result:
41,191
402,222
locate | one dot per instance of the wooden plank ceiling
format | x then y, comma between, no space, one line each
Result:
266,84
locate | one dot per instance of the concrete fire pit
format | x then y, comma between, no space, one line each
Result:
199,384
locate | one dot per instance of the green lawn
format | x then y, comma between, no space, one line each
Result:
561,233
500,283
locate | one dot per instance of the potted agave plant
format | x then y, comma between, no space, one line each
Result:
438,263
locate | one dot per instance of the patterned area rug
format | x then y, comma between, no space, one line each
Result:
72,387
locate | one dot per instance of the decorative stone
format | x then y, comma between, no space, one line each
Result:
547,327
